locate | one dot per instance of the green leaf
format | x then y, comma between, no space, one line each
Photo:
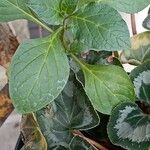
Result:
129,127
106,85
128,6
70,111
79,143
141,80
146,23
68,6
139,51
33,138
98,26
38,73
17,9
47,10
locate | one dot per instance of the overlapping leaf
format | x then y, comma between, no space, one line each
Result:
140,49
106,85
70,111
38,73
98,26
141,79
129,127
33,138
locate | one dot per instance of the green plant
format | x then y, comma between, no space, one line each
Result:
65,79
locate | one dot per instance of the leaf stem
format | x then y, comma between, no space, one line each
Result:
77,60
133,24
96,145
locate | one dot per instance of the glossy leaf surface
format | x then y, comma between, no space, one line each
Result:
129,127
38,73
70,111
98,26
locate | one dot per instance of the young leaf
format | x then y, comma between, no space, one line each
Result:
79,143
141,80
106,85
100,27
129,127
48,10
34,139
70,111
17,9
139,50
146,23
38,73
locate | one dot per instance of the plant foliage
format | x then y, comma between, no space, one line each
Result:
65,78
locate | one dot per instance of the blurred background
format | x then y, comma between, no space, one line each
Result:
11,35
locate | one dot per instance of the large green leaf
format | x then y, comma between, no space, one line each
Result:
129,127
128,6
141,80
70,111
100,27
48,10
106,85
38,73
139,51
79,143
17,9
33,138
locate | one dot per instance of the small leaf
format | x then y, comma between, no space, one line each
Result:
139,50
32,134
48,10
141,80
146,23
79,143
129,127
106,85
98,26
38,73
70,111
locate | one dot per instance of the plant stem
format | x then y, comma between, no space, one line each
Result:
92,142
133,24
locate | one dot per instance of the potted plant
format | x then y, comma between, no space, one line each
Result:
72,93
